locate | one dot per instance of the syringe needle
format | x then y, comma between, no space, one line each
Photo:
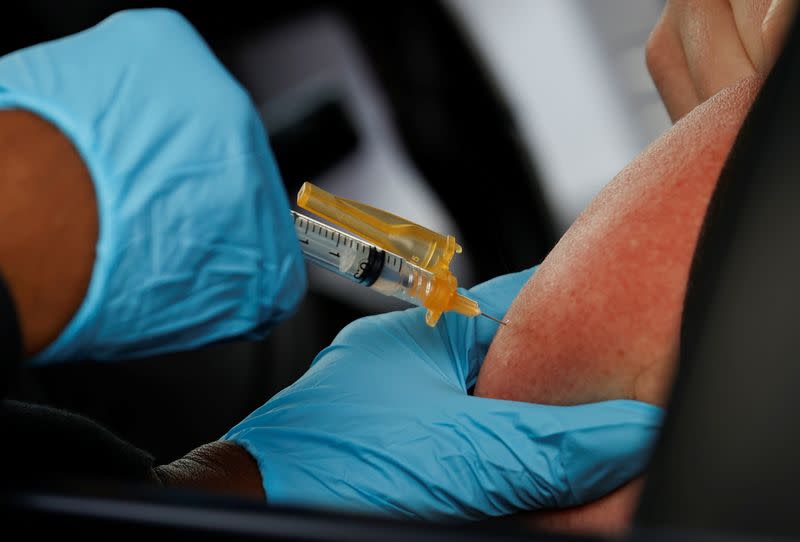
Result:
501,322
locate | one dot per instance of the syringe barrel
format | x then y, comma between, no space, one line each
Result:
382,271
337,251
361,262
403,280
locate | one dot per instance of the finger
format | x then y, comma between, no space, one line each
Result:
775,26
667,64
748,15
714,52
538,456
469,338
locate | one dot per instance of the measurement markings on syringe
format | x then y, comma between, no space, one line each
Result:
337,251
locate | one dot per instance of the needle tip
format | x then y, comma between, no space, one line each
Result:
501,322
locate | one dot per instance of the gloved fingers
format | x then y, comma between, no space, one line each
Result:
540,456
387,343
453,350
606,444
469,338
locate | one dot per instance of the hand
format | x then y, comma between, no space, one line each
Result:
196,241
699,47
382,422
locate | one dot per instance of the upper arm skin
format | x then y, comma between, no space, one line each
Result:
601,317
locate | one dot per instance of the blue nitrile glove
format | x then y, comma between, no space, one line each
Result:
196,241
382,422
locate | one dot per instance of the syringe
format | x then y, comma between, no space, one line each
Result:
365,263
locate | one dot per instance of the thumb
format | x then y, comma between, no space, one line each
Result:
541,456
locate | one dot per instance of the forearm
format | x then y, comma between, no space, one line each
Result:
48,217
49,220
219,467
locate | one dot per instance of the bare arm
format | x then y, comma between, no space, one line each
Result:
49,225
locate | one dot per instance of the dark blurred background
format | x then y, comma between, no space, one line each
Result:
495,122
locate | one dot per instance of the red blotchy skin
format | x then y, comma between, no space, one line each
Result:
600,319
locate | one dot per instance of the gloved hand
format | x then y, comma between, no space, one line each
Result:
196,241
382,422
